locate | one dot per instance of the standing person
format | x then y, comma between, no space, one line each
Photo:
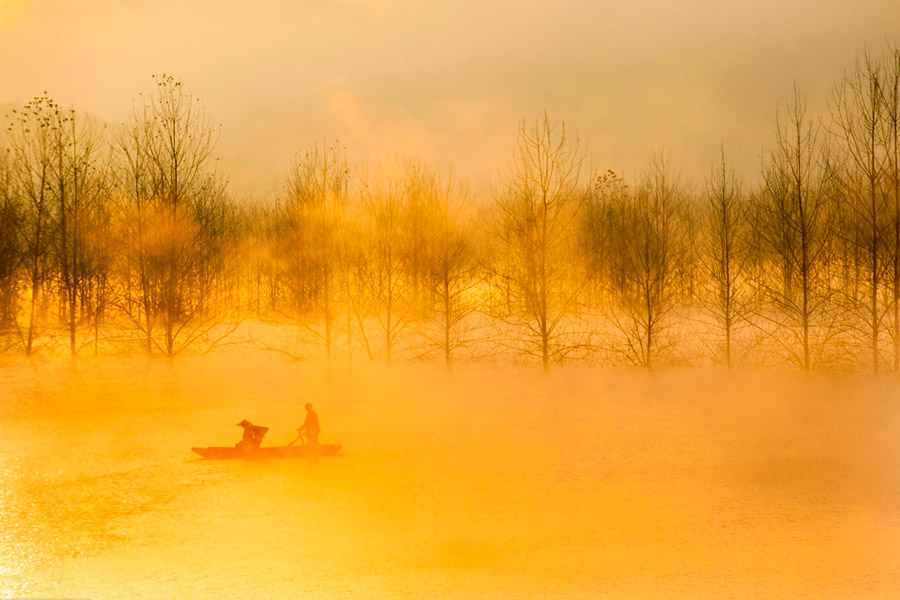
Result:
310,426
253,435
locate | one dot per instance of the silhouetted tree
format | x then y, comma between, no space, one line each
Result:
384,201
650,244
172,197
795,225
79,193
450,261
859,118
891,136
356,278
311,215
600,234
31,136
10,245
724,254
539,204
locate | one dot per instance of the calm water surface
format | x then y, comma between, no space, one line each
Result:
481,482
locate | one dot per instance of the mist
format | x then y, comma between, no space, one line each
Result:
499,481
130,239
590,300
429,79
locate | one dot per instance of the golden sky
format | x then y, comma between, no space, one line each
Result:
448,81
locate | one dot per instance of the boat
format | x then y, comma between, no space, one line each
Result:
230,452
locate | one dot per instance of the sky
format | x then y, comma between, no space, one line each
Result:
450,82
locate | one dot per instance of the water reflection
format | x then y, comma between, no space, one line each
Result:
482,482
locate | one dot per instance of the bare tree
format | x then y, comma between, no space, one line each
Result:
604,204
138,298
539,204
419,224
650,245
450,262
384,200
10,244
97,260
311,216
171,191
31,136
723,254
891,139
356,278
859,115
78,192
795,225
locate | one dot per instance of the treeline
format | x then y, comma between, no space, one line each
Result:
126,238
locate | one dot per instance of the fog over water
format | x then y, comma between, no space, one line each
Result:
481,481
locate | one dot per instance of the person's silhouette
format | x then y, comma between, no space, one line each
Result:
253,435
310,426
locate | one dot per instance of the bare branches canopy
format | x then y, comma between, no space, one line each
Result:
126,238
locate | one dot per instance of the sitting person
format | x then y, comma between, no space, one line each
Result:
310,426
253,435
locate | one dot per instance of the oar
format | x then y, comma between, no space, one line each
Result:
299,437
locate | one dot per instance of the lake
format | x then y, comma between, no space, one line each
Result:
482,481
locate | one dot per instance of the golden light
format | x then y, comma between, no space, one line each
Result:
9,9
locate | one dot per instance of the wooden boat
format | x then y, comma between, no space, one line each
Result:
230,452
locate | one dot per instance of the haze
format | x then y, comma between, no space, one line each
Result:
558,371
481,482
447,82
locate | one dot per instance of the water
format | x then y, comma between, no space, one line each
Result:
480,482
